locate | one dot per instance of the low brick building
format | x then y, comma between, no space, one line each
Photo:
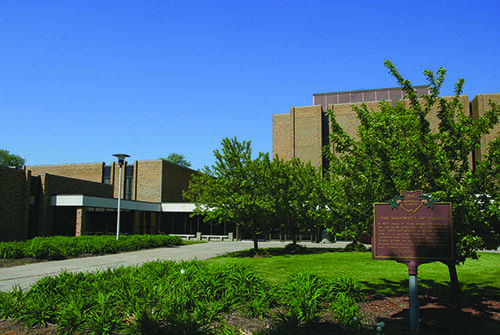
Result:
75,199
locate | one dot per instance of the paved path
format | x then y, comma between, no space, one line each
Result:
26,275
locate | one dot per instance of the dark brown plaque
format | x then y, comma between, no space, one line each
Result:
412,227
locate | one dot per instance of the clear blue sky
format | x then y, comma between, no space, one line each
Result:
81,80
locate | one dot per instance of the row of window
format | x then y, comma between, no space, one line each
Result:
128,183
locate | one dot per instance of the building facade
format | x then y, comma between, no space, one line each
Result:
76,199
304,131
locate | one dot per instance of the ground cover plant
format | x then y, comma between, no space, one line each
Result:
60,247
385,284
165,297
293,290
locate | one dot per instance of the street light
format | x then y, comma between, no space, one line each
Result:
121,161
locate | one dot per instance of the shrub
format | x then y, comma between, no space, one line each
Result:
60,247
304,292
12,250
345,308
45,248
346,285
295,248
355,246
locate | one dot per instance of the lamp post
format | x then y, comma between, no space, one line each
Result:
121,161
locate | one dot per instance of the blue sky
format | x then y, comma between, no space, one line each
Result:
81,80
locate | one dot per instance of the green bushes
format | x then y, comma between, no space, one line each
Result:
59,247
170,298
12,250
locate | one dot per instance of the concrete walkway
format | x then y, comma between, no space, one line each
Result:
27,275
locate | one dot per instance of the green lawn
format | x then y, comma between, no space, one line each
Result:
384,277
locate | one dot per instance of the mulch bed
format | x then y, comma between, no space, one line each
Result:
437,316
479,316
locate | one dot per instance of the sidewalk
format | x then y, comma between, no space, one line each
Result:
26,275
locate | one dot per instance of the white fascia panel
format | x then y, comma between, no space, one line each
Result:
97,202
180,207
86,201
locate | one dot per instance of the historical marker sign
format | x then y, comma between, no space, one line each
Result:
412,227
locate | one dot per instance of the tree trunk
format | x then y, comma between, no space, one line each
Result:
455,285
255,243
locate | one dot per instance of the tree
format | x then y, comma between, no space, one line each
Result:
177,159
10,160
397,150
297,190
235,188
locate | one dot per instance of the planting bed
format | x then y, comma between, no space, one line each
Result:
206,292
437,317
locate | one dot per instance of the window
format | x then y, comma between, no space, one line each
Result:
128,184
106,174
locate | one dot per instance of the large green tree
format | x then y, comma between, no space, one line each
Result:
10,160
297,190
235,189
395,149
177,159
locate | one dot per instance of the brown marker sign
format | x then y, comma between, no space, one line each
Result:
412,227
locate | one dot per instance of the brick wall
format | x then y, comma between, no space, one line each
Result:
14,204
298,134
480,104
148,178
175,179
307,133
49,223
282,136
347,118
88,171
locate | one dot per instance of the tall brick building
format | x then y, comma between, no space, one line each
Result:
304,131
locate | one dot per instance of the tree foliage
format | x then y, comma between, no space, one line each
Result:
235,188
258,194
10,160
396,150
177,159
299,197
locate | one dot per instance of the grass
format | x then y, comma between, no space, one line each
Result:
376,277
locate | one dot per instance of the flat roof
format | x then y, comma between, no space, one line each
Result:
371,90
79,200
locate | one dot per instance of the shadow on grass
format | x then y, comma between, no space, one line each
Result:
470,292
288,250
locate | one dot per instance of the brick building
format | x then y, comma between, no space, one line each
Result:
304,131
75,199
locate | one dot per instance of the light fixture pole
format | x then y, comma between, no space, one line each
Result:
121,161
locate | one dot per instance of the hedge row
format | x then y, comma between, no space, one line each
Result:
60,247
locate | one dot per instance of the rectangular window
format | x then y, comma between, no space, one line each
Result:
106,174
128,184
